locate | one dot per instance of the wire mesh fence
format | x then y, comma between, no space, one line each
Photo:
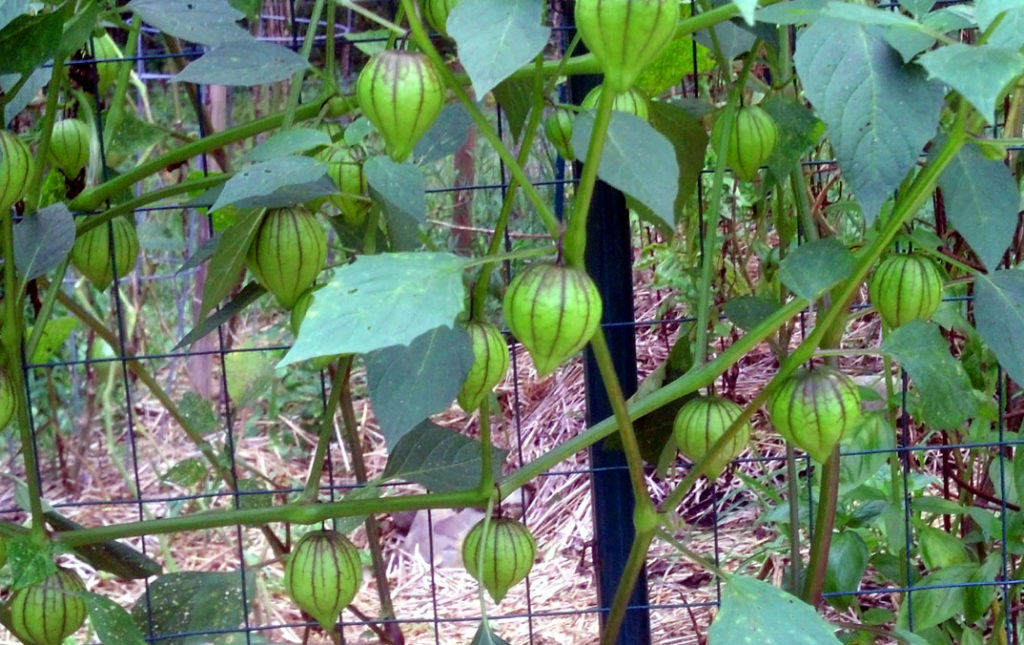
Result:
942,507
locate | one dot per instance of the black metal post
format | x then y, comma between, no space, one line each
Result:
609,259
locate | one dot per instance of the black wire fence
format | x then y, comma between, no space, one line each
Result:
109,451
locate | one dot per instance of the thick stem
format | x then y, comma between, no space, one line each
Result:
307,46
823,526
35,186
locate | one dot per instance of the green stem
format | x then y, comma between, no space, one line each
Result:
486,449
824,524
91,199
630,572
202,183
35,186
297,77
422,39
124,70
373,17
690,554
576,236
793,489
316,469
291,513
484,278
49,298
11,339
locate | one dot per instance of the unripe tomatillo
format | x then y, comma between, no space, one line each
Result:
16,164
69,146
558,129
905,287
490,362
631,101
49,611
701,422
507,549
287,253
752,140
323,575
92,255
814,408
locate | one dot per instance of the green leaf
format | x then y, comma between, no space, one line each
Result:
798,131
399,189
732,38
408,383
42,241
987,11
78,28
243,63
865,15
747,8
29,561
187,473
379,301
999,318
637,159
747,312
947,398
484,636
112,623
982,200
209,22
192,602
879,113
55,332
847,562
979,72
934,606
29,41
812,268
446,136
250,294
283,181
514,97
132,137
289,142
253,494
793,12
496,38
370,41
979,599
15,104
350,523
11,9
112,556
250,374
251,8
440,459
940,549
674,62
199,412
686,133
756,612
229,260
874,437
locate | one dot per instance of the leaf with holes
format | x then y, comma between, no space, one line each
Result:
192,602
112,623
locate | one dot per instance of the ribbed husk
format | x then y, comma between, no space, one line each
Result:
700,423
814,408
323,575
436,12
288,253
508,553
345,168
8,400
490,362
15,169
91,254
104,48
402,94
48,612
626,35
558,129
69,146
906,287
631,101
553,310
751,141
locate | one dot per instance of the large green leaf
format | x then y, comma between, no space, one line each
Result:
999,317
637,159
28,41
982,200
379,301
209,22
279,182
250,374
847,561
947,398
945,600
228,260
11,9
812,268
496,37
756,612
250,294
399,190
447,135
289,142
687,135
879,112
979,72
244,63
513,95
42,241
440,459
798,131
408,383
192,602
112,623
